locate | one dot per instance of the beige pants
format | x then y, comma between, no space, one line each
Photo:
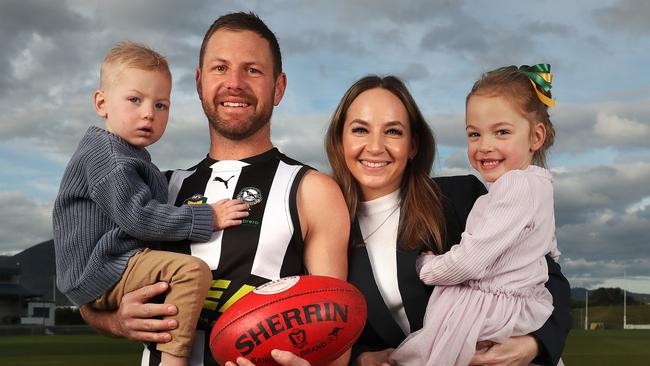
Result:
189,280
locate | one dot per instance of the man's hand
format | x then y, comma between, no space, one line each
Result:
135,319
379,358
284,358
516,351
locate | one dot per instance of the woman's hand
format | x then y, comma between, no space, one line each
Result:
135,319
516,351
379,358
284,358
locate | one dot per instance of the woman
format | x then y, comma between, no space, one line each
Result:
381,151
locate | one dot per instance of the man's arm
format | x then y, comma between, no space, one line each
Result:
135,319
552,335
325,224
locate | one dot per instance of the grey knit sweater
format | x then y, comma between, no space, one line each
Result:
111,202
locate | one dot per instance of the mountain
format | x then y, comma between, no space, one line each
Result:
578,295
37,271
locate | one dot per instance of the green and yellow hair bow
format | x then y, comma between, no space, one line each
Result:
540,76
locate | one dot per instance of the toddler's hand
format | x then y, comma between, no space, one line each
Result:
421,259
425,253
228,213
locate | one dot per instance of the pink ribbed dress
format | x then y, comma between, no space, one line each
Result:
491,285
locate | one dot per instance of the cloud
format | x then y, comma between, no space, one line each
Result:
630,16
24,222
552,28
302,138
584,192
607,235
406,12
51,52
415,71
608,273
621,125
621,130
315,40
20,15
29,47
464,34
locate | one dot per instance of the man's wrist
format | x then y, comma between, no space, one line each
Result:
101,321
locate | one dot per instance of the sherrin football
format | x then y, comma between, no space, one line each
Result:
316,317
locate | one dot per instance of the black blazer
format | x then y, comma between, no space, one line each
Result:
381,330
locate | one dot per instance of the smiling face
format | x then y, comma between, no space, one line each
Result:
236,84
377,142
135,105
499,138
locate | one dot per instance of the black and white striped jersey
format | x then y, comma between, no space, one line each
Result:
266,246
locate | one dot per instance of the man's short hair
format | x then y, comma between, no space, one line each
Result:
242,21
131,55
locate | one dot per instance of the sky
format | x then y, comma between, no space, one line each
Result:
599,52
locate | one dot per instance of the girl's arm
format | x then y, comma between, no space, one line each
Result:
502,219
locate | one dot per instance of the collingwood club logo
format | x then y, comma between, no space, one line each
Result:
250,195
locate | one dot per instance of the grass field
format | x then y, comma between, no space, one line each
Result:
593,348
607,347
68,350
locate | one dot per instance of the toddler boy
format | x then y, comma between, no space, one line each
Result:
112,203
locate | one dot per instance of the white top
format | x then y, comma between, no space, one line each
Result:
379,221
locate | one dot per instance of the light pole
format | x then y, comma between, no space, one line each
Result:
624,301
586,309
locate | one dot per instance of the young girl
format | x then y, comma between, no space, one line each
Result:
491,286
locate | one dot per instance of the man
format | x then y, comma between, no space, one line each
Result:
292,208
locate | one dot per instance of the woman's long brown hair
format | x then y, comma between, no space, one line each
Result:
421,212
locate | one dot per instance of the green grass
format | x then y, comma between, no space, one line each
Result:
607,347
593,348
68,350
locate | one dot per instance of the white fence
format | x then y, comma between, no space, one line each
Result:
636,326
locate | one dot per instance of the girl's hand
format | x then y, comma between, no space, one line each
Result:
228,213
379,358
516,351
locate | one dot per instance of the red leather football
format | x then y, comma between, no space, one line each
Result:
316,317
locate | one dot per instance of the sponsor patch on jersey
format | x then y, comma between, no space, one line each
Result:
196,199
250,195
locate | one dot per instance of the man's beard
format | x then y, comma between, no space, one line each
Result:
237,130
